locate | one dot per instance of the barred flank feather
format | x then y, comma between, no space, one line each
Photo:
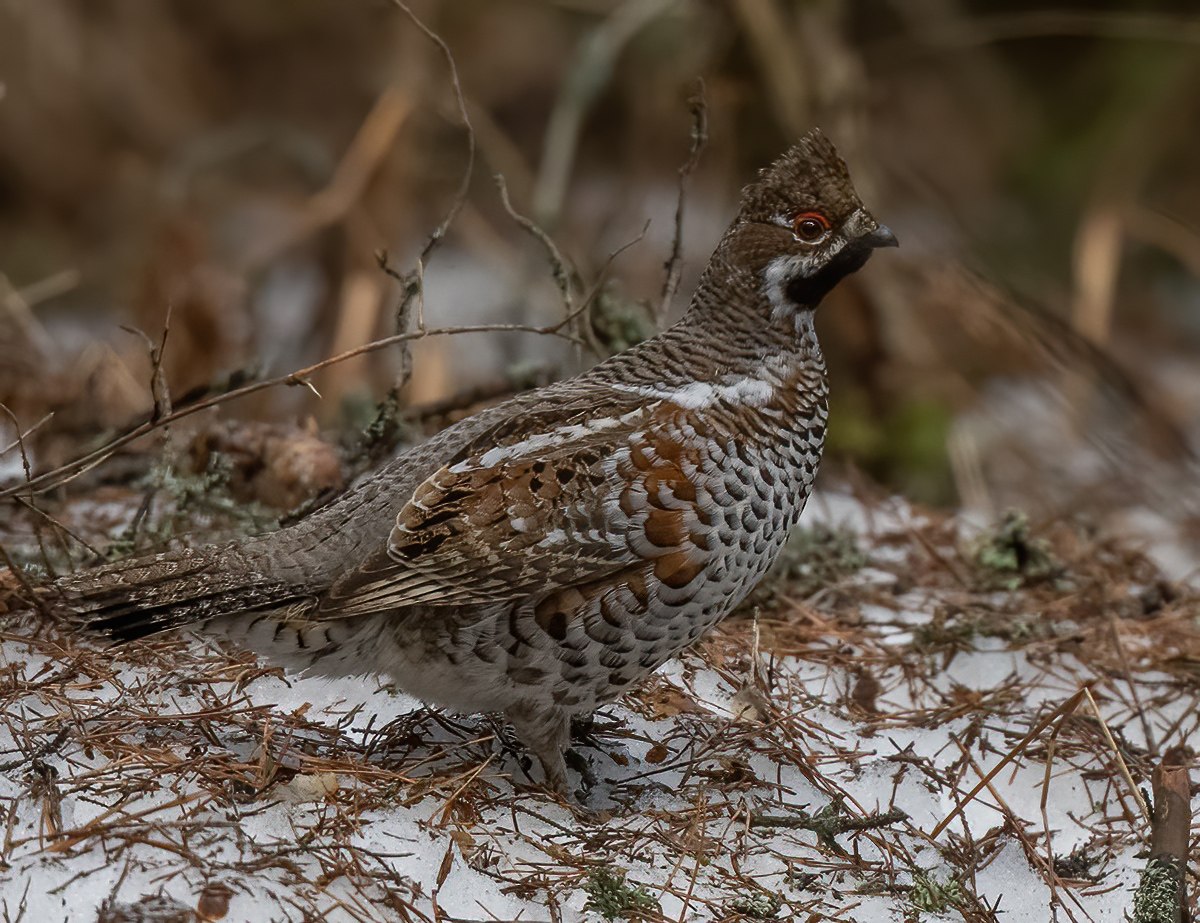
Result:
142,596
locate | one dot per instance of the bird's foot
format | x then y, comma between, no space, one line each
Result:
577,761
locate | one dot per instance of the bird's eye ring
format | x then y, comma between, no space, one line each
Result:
810,227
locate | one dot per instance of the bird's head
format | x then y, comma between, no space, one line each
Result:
802,228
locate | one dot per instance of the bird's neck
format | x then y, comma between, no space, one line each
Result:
743,320
730,332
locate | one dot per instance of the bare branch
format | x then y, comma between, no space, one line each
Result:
456,205
73,469
673,266
20,440
58,525
159,391
558,266
12,565
413,282
22,436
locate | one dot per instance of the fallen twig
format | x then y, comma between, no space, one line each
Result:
1064,709
829,822
1125,774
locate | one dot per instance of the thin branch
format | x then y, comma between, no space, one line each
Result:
465,184
58,525
414,294
699,140
565,275
413,282
22,436
558,266
20,440
66,472
12,565
159,391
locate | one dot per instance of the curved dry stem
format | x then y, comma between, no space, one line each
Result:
73,469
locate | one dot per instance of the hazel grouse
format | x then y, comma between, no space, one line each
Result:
545,555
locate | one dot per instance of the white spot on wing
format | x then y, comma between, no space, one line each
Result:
697,395
540,442
554,537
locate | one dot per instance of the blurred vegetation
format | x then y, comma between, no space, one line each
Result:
239,162
1009,557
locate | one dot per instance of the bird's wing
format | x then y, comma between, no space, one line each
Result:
568,504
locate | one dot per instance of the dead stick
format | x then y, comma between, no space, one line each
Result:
1172,812
1161,896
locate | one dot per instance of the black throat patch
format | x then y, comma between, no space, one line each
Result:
810,291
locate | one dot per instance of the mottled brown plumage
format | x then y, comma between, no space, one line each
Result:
543,556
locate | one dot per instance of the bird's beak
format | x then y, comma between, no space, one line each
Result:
882,236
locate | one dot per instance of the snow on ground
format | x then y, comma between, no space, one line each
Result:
794,766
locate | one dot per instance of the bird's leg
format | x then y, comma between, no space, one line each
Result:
545,731
579,763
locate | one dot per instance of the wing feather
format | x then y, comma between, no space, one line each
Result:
499,524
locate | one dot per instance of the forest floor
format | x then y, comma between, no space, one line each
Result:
829,753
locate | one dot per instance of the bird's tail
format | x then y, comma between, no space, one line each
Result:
141,596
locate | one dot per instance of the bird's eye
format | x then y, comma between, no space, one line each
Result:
810,227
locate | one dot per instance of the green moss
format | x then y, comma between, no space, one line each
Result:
190,498
929,895
613,899
1157,897
1009,557
619,323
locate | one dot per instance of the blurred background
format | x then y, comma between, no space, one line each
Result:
1035,342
